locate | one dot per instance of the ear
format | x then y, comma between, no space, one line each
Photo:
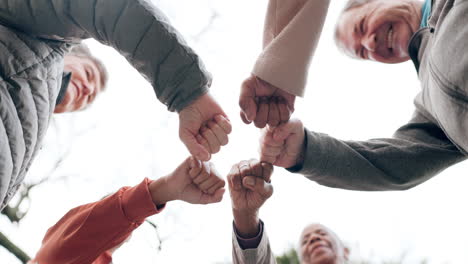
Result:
346,253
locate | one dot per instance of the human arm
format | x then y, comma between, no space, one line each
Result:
252,250
417,151
142,34
204,127
90,231
136,29
280,72
249,186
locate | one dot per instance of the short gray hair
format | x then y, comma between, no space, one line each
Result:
354,3
328,230
83,51
350,4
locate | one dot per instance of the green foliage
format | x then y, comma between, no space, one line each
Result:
289,257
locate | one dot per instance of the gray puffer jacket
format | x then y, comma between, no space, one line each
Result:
34,37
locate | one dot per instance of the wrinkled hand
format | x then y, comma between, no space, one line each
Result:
195,182
283,145
264,103
249,185
203,127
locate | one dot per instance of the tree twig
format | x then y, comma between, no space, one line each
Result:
157,234
16,251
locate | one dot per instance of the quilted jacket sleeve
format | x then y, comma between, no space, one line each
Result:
418,151
291,33
135,28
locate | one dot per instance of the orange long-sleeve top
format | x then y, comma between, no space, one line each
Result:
87,233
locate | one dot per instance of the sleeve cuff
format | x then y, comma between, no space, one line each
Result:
316,156
184,102
247,243
137,203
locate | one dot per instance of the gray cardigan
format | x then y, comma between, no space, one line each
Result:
34,37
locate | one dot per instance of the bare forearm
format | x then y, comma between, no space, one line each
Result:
160,192
247,223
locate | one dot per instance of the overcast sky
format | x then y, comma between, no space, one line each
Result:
129,135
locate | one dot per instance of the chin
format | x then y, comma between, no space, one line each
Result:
326,258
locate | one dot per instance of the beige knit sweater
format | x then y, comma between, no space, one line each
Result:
291,33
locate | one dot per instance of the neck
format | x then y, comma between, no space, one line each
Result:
416,8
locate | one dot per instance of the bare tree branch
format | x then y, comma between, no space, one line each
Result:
157,234
16,251
207,27
13,214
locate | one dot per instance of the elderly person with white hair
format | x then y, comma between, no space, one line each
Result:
433,34
249,186
36,36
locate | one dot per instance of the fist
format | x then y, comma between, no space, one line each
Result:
249,185
284,145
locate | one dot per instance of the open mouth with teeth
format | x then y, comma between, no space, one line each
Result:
390,38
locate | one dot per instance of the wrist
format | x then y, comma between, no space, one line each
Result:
300,158
160,191
303,148
246,222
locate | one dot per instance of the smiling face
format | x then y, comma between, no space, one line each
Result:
379,30
85,84
319,245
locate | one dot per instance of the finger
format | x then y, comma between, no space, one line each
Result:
195,167
271,150
213,179
218,132
215,187
213,142
258,185
196,149
283,110
267,171
224,123
208,183
267,158
290,99
266,139
212,198
247,100
234,178
273,113
244,168
202,141
248,108
262,113
203,174
283,131
218,195
268,151
256,168
244,118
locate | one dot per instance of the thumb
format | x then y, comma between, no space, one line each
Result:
247,100
258,185
283,131
196,149
248,109
213,198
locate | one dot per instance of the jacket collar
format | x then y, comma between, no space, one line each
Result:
417,46
66,77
